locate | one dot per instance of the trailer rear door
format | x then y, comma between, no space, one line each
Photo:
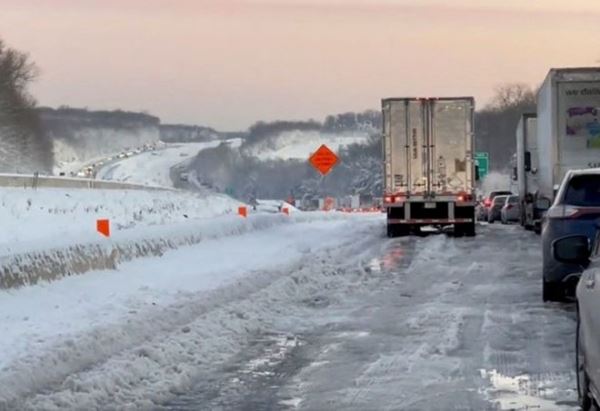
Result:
450,148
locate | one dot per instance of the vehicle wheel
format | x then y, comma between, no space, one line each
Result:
402,230
551,292
522,220
469,229
583,381
458,230
397,230
391,230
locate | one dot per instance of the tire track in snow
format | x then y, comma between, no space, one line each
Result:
157,354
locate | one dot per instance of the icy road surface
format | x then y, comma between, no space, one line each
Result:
321,315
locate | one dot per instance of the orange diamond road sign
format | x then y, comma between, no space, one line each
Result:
323,159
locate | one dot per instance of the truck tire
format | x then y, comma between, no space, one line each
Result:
391,232
467,230
583,381
403,230
397,230
522,216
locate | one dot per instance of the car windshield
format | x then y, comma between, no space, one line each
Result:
499,200
513,199
584,191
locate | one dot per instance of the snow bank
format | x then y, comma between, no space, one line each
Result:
45,218
133,337
46,263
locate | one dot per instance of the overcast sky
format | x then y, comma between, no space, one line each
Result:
229,63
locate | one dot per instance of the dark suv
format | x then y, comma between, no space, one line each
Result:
574,212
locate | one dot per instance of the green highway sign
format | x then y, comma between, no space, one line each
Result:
482,161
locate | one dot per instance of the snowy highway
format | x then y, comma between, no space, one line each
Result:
316,314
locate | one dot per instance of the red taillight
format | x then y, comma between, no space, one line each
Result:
460,199
487,202
391,199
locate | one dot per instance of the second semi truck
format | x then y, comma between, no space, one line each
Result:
429,172
527,165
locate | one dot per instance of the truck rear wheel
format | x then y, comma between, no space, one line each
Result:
397,230
402,230
467,230
391,233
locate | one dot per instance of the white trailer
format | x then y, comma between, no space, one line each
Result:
429,172
568,127
527,170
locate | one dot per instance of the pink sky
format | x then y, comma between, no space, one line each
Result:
230,63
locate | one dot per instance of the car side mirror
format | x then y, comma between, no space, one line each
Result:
542,204
574,249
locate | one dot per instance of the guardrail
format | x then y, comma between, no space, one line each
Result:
39,181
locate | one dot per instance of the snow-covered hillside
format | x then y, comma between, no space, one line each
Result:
153,168
80,135
300,144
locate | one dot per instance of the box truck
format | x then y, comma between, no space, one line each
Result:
568,127
429,172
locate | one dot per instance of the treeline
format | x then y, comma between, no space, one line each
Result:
227,169
73,117
181,133
368,121
23,145
496,123
263,130
360,170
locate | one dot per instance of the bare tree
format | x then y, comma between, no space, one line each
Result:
512,95
23,145
495,125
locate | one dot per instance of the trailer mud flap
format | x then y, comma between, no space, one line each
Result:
430,221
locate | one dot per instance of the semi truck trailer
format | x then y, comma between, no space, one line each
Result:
429,172
527,165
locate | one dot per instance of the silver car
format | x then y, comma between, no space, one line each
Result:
511,210
577,250
495,208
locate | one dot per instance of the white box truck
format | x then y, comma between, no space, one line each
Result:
568,127
527,165
429,172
